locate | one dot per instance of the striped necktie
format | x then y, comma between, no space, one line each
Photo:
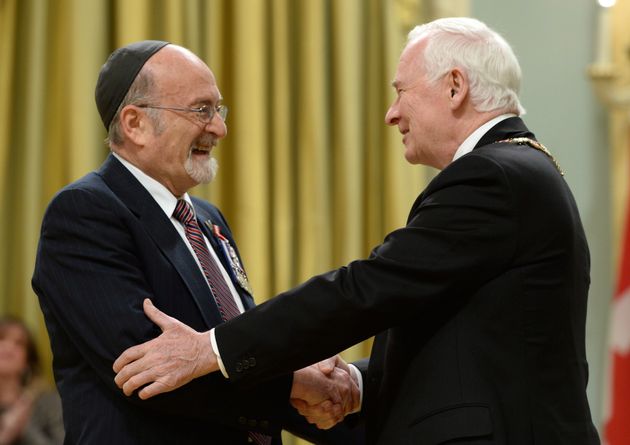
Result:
222,295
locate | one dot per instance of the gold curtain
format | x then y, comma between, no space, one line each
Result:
310,176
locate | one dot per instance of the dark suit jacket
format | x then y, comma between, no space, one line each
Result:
478,304
105,246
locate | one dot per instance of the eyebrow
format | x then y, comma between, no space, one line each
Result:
209,101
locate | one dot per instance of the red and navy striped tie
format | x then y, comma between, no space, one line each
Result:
222,295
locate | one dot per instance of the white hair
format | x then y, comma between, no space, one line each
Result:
494,74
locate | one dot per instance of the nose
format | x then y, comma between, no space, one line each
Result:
217,126
392,116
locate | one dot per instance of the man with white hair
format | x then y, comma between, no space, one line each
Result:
478,304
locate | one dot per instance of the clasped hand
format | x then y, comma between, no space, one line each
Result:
324,393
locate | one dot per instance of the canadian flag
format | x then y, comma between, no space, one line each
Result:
617,430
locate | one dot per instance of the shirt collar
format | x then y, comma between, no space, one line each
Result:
472,140
159,192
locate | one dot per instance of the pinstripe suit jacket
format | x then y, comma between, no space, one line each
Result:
105,246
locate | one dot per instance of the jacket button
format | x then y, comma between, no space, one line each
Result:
242,420
252,362
238,367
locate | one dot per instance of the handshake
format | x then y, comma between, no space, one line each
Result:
324,393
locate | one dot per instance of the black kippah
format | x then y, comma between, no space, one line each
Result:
119,72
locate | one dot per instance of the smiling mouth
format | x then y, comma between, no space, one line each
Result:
200,150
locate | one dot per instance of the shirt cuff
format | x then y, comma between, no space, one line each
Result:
215,348
355,371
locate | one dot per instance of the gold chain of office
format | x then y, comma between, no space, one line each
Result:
534,144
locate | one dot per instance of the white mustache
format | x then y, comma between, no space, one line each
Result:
207,141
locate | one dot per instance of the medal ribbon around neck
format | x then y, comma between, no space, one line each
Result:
534,144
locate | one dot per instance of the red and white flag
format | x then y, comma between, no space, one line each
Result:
617,429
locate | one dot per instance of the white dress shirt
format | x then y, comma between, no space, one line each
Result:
472,140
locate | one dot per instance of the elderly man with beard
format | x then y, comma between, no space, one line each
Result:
130,231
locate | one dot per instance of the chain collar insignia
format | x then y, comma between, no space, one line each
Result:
534,144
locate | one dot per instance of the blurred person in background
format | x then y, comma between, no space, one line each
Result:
30,412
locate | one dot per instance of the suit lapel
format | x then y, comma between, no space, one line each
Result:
164,235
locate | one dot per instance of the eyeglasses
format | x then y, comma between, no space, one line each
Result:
203,113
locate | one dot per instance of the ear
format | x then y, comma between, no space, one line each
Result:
457,84
135,125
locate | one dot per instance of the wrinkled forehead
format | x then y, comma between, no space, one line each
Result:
177,71
411,63
414,50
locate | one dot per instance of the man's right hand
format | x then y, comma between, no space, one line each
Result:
324,393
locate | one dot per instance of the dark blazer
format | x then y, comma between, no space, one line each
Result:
478,304
105,246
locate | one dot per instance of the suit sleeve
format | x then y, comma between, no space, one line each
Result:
91,283
459,235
